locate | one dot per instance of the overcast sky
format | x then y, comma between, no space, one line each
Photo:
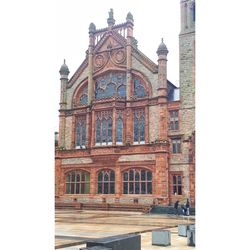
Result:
153,20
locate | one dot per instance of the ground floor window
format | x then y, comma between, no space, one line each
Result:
177,184
106,182
137,181
77,182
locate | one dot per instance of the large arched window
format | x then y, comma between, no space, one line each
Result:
80,131
110,85
137,181
77,182
106,182
139,126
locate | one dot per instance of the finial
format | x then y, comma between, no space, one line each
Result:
111,13
162,49
64,70
92,28
111,20
129,18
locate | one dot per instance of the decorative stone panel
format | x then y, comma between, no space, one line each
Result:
76,161
139,157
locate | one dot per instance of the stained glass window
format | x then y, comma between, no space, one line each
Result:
80,131
77,182
104,128
84,96
110,130
119,128
137,181
139,126
106,182
98,131
110,85
139,90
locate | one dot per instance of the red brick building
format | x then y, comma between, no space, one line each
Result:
126,133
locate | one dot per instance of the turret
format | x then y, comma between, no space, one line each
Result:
162,52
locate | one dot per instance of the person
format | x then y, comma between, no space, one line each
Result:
184,209
176,207
187,207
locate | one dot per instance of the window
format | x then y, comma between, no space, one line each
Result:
106,182
137,181
139,127
176,146
84,96
174,120
80,131
104,128
119,127
110,85
139,90
77,182
177,184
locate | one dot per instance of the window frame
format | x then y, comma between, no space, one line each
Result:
109,182
83,184
133,183
175,149
174,119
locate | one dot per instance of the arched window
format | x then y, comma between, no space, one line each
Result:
119,128
139,90
106,182
110,85
104,128
137,181
77,182
84,96
80,131
139,127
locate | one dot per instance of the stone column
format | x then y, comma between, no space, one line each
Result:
64,72
92,30
129,113
162,91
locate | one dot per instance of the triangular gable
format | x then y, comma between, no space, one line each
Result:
110,40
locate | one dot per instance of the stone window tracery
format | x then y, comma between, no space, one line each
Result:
137,181
110,85
80,135
84,96
77,182
139,126
139,89
104,128
106,182
119,127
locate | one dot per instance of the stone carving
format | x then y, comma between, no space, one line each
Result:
99,61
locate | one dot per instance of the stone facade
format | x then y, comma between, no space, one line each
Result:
140,166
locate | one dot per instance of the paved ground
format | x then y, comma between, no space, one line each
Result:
74,227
